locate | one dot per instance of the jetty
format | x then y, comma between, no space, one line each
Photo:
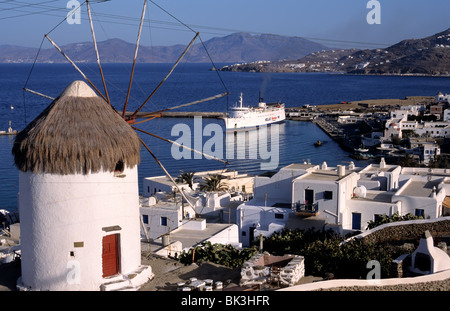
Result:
330,129
185,114
10,131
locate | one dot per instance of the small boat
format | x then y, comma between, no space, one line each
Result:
318,143
362,150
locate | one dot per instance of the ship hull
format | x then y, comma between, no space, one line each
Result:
255,120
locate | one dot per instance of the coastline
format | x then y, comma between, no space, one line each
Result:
367,103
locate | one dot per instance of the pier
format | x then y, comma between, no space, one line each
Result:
185,114
10,131
330,129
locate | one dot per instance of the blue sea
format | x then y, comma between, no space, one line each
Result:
188,83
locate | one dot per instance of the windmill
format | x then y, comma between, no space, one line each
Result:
131,116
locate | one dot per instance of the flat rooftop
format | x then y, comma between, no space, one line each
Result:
190,238
419,188
376,168
422,171
377,196
298,166
324,175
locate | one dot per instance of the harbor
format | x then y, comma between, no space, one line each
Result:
183,114
9,131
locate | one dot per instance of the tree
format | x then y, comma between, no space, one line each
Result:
407,161
213,183
438,161
186,177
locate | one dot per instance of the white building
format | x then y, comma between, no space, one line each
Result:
233,179
426,148
165,212
405,112
392,129
271,205
433,129
162,217
344,198
442,98
324,193
193,233
446,115
382,177
78,200
398,123
350,119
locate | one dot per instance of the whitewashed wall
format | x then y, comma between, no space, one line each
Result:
60,210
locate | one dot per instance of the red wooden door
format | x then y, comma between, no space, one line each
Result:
110,255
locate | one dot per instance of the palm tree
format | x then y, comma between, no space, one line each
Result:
407,161
213,183
186,177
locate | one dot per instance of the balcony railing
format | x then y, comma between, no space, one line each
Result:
308,209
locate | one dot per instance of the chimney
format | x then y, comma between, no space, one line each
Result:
341,170
382,163
351,166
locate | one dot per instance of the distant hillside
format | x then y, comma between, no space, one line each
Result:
238,47
320,61
427,56
430,56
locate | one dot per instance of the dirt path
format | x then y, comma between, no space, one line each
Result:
169,272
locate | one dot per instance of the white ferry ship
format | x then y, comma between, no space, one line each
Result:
241,117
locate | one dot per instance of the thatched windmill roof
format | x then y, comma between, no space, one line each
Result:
77,133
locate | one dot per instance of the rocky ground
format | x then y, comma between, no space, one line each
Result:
169,272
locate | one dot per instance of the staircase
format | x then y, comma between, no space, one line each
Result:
129,282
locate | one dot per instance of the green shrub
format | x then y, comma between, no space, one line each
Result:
384,219
325,253
221,254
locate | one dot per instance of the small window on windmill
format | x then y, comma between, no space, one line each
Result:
118,170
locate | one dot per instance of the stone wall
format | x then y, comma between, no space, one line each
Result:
406,230
258,269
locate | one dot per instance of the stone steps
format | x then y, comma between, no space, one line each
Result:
129,282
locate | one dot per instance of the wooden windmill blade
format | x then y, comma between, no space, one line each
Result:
46,36
181,146
134,59
96,51
166,77
130,119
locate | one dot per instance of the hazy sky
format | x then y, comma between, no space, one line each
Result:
335,23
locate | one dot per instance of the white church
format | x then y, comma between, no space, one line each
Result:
78,197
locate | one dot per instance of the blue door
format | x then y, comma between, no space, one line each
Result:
356,221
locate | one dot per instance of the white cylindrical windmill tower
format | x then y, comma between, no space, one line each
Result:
78,194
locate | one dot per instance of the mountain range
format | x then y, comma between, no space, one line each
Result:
237,47
426,56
